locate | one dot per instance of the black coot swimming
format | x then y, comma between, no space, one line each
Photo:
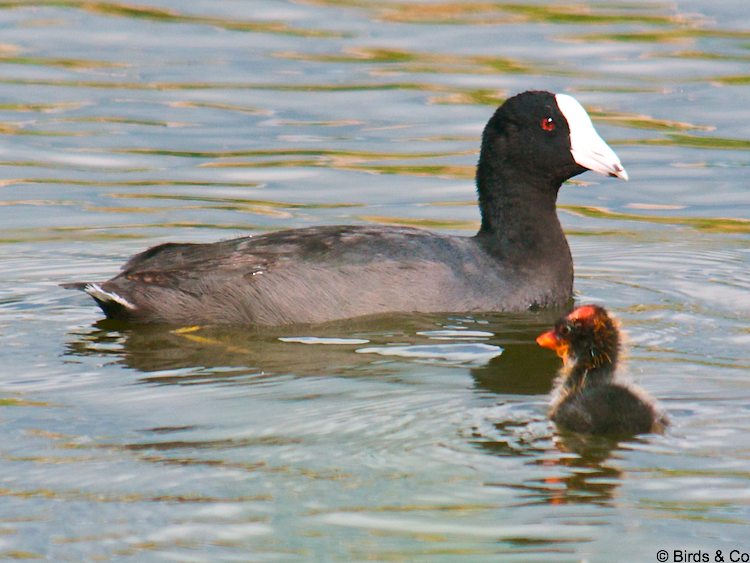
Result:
519,258
588,397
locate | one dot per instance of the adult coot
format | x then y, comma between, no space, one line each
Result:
518,259
588,397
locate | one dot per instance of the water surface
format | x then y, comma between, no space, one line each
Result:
406,438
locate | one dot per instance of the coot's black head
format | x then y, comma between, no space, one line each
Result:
588,336
539,137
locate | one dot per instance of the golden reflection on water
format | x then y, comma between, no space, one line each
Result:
220,106
706,224
237,203
129,183
422,223
18,402
134,11
417,63
122,121
42,107
23,130
433,171
70,64
493,13
322,152
703,142
646,122
683,35
129,231
80,495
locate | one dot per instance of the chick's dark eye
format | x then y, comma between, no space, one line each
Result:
565,330
548,124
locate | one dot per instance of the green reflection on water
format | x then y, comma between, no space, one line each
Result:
636,121
82,495
220,106
662,36
169,16
506,12
20,236
119,120
619,89
74,64
735,80
707,224
421,222
41,108
66,165
328,158
111,232
19,555
129,183
683,140
430,170
446,94
417,62
239,202
293,152
585,14
702,55
11,402
695,510
10,129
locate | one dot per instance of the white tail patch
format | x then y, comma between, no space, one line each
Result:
96,291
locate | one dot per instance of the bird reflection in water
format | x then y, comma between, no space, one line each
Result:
234,350
165,355
581,468
590,477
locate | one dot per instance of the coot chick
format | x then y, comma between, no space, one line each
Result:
519,258
588,397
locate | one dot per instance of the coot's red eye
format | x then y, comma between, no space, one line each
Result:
548,124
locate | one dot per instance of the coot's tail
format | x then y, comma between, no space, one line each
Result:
114,306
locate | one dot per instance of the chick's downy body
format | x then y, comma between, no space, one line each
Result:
589,397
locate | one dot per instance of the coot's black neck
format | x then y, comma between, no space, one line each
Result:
519,217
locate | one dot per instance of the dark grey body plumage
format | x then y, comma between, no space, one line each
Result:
518,259
337,272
